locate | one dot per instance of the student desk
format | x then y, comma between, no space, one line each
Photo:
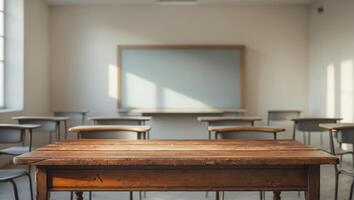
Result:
44,122
234,120
177,165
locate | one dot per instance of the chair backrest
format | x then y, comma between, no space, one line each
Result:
345,135
11,135
283,115
246,132
312,124
110,132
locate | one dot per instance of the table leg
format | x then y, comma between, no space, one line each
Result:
66,130
79,195
313,190
42,188
276,195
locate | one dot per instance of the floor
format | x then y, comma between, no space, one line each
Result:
327,190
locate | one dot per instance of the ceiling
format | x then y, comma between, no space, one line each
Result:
242,2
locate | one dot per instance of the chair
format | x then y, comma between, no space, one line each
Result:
282,115
76,117
310,125
14,134
47,124
344,134
244,132
110,132
227,120
122,120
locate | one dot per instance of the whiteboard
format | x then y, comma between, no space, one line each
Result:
161,77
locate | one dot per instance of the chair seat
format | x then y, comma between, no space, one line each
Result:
7,174
15,150
342,151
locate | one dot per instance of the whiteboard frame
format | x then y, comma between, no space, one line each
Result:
241,48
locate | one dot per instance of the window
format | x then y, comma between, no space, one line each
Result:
2,54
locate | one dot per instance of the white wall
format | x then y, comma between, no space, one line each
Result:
84,41
36,62
331,43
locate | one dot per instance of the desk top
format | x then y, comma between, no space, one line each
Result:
187,111
71,111
122,118
175,153
226,129
20,126
338,126
316,119
94,128
44,118
284,111
228,118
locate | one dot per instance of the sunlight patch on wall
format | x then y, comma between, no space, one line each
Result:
141,92
113,81
172,99
346,85
331,96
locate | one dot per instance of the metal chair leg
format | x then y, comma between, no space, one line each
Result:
90,195
336,185
261,195
30,185
130,195
71,195
14,188
351,191
222,195
309,138
140,195
144,194
304,137
217,195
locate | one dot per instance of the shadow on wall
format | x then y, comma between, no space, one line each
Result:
339,91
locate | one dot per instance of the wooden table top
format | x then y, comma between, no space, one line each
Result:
174,153
44,118
228,118
337,126
94,128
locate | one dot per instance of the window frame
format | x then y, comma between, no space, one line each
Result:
3,61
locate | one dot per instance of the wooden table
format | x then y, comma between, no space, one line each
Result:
184,165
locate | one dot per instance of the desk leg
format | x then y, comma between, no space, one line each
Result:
66,130
276,195
42,189
313,190
79,195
